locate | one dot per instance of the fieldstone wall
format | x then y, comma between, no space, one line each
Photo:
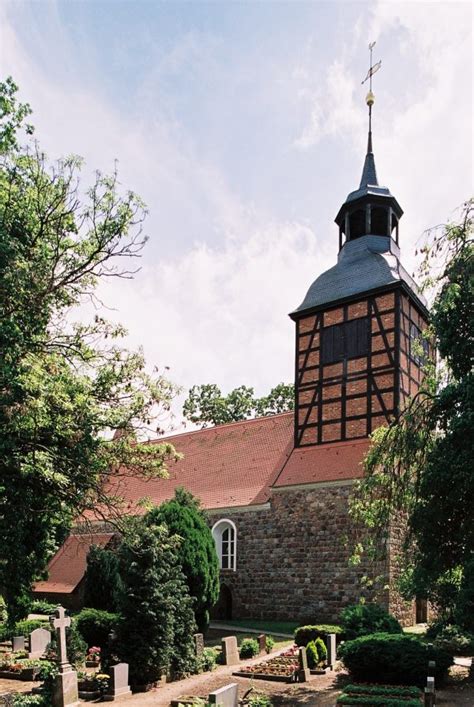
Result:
292,559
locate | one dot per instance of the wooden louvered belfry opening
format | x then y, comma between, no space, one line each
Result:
355,366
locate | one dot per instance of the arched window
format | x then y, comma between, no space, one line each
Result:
224,533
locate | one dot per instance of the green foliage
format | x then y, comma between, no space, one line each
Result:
269,643
94,625
392,658
22,628
396,691
464,611
41,606
373,701
305,634
156,633
455,641
20,700
196,552
420,466
102,579
209,659
206,405
322,650
362,619
76,646
257,699
3,611
312,655
249,648
63,385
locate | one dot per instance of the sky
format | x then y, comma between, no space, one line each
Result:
243,126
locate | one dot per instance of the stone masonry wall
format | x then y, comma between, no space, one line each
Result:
291,559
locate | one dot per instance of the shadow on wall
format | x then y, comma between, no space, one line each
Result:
222,611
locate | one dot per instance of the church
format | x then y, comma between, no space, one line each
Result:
276,488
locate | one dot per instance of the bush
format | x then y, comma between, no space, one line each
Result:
249,648
196,552
102,579
94,625
393,658
269,643
157,626
3,611
312,655
455,641
22,628
209,659
364,619
305,634
322,650
41,606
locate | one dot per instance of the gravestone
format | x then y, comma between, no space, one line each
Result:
331,647
429,698
199,644
40,638
431,668
227,696
230,650
18,644
65,692
303,670
119,688
262,643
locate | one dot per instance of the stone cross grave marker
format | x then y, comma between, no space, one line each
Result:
39,640
303,670
65,692
230,650
331,649
18,644
227,696
199,644
119,687
262,643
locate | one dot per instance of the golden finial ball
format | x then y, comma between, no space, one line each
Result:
370,99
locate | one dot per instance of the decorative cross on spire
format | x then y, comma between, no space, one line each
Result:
373,68
60,622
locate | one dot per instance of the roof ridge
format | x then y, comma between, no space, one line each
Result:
225,425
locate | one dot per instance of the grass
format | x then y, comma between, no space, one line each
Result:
268,627
213,638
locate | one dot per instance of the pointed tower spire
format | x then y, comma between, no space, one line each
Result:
370,210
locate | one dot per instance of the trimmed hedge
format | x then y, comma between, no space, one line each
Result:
393,658
394,690
23,628
305,634
364,619
373,701
94,625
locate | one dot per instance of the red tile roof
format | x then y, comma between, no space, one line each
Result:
326,462
67,567
224,466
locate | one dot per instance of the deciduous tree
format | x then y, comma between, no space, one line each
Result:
62,384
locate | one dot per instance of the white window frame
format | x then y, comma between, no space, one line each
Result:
217,532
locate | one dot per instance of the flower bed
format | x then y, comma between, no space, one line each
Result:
12,667
380,696
281,668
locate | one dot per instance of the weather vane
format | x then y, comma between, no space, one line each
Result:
370,98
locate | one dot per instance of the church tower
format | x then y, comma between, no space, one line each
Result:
356,357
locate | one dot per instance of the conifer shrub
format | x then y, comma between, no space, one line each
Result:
155,635
322,650
364,619
102,579
269,643
393,658
196,552
94,625
312,655
305,634
249,648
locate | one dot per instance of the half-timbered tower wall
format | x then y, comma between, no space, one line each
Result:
356,365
